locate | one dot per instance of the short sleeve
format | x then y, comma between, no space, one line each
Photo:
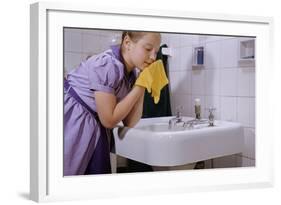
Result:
105,73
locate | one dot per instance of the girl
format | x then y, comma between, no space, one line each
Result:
98,95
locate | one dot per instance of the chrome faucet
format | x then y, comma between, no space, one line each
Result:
210,120
177,118
191,123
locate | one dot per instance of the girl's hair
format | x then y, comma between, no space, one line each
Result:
134,36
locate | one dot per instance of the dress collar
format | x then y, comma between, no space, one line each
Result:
116,49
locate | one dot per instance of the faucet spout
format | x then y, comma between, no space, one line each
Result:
176,119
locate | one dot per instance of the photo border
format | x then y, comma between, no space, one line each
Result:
45,182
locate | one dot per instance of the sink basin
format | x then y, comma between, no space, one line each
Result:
160,127
152,142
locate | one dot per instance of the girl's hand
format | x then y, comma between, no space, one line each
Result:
110,112
145,79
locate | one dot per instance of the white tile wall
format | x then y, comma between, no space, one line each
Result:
198,82
212,85
252,83
175,61
180,82
244,76
212,55
229,108
72,60
184,101
165,38
72,41
175,40
186,58
243,116
252,112
228,82
229,53
91,43
81,43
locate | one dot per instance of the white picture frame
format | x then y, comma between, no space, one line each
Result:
46,177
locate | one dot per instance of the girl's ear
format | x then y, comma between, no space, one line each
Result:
127,42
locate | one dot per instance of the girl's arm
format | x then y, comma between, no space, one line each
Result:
134,116
110,112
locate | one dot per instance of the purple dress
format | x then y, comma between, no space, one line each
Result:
86,147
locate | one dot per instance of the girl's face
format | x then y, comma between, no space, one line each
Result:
144,51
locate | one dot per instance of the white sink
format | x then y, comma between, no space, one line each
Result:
152,142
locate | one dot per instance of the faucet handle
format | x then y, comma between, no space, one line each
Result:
211,115
178,110
211,109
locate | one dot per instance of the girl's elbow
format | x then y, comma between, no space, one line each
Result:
108,124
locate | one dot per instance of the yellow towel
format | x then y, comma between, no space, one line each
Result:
153,78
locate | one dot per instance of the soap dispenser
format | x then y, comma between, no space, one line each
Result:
200,56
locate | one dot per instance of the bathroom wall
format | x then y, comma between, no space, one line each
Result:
223,83
81,43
